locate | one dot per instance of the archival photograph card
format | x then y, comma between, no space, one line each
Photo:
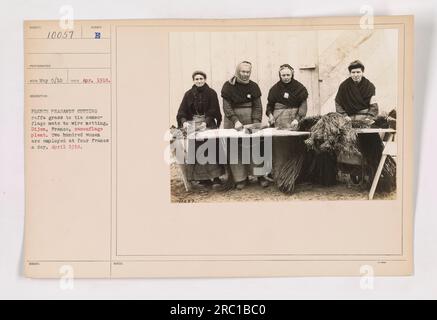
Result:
219,148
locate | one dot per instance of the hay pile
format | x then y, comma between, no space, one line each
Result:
320,169
291,170
305,124
316,161
371,147
382,121
387,181
332,134
391,119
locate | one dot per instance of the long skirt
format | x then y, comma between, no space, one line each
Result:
284,147
241,171
196,171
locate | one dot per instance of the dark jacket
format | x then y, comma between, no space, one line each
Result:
200,101
291,94
351,98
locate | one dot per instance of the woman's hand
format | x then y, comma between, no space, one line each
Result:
294,124
186,125
271,119
238,125
202,126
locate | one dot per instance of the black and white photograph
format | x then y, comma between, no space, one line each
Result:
281,115
218,155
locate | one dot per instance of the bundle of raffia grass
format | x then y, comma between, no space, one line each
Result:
371,147
319,168
289,173
387,181
332,134
382,121
391,119
358,124
305,124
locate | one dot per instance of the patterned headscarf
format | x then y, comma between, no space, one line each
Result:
237,73
286,66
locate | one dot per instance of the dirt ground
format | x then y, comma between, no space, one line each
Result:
254,192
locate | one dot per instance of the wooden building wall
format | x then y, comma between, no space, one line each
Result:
320,60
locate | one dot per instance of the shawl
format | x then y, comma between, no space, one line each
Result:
354,97
201,101
240,93
291,94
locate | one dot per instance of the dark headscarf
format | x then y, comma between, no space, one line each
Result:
237,75
354,97
200,101
286,66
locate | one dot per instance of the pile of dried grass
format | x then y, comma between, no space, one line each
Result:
320,168
387,181
383,121
359,124
391,119
371,147
305,124
333,134
289,173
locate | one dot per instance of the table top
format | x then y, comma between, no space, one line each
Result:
375,130
232,133
272,132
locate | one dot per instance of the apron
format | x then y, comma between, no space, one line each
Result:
198,171
284,116
241,171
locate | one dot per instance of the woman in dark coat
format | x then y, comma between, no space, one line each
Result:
356,98
200,110
200,104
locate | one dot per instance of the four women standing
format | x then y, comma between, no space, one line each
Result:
287,104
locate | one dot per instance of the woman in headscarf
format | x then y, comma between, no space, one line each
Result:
287,100
355,98
286,105
242,106
200,110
